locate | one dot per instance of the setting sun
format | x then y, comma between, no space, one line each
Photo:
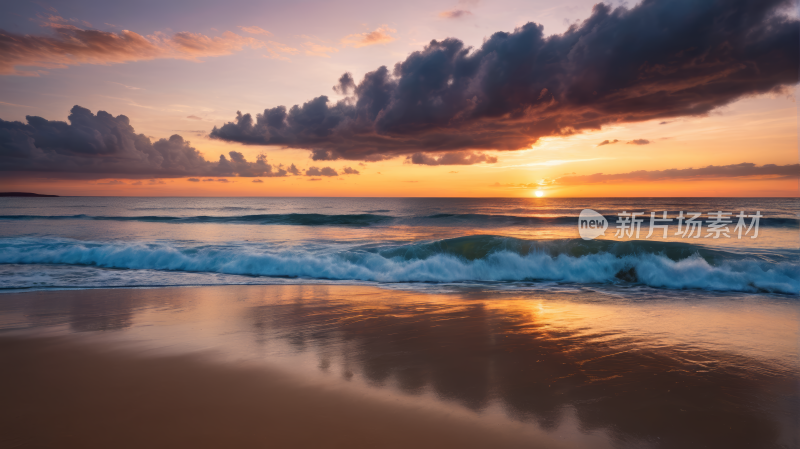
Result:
539,193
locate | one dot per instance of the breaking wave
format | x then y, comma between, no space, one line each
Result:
466,259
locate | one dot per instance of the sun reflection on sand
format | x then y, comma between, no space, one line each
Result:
637,368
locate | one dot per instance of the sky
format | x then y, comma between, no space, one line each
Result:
434,98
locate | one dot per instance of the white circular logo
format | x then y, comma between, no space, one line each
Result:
591,224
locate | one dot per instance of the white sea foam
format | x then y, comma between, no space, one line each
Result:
655,270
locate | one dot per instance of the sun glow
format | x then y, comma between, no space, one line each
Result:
539,193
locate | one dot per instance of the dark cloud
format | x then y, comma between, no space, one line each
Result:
293,170
638,142
454,158
350,171
257,180
324,171
346,84
743,170
607,142
100,146
659,59
193,180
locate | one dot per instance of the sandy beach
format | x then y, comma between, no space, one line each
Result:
292,366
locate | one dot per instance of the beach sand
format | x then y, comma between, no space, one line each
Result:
336,366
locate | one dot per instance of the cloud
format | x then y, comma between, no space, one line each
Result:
379,36
455,14
113,182
638,142
454,158
350,171
607,142
257,180
293,170
71,45
277,50
193,180
255,30
657,60
345,85
100,146
193,117
324,171
743,170
313,49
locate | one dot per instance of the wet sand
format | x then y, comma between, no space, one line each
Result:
306,366
68,394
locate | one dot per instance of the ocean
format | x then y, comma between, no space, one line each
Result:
457,322
409,243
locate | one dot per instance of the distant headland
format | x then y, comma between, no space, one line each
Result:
26,194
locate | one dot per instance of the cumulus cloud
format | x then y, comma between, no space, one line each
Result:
72,45
659,59
350,171
638,142
345,85
96,146
324,171
455,14
378,36
454,158
607,142
743,170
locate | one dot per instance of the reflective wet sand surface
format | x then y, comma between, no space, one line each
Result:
361,366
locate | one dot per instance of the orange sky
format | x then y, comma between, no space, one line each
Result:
164,88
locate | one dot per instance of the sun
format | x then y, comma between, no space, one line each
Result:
539,193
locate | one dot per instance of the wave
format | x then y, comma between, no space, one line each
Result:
375,217
466,259
264,219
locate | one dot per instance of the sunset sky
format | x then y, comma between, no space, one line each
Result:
659,98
